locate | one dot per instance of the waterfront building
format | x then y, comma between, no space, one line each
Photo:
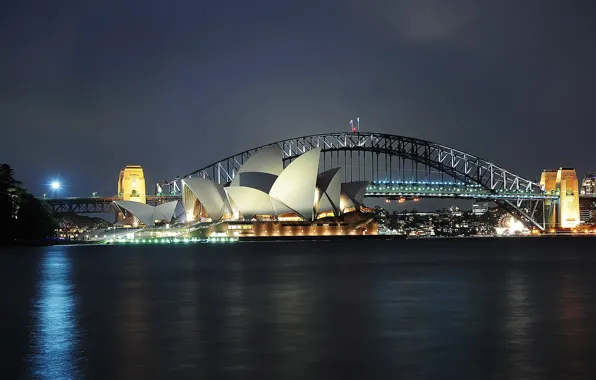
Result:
587,207
587,199
266,199
480,208
588,186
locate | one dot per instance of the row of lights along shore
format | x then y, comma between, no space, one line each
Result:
174,241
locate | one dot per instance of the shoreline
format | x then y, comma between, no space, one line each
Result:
250,239
44,243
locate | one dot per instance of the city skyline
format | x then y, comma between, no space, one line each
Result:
89,90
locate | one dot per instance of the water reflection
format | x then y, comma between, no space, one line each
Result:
56,332
424,311
292,298
235,332
573,331
187,328
134,317
281,311
519,328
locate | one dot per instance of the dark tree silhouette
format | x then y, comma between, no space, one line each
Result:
22,216
9,188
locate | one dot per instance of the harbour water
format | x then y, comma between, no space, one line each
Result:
424,309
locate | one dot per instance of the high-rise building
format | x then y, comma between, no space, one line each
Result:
589,184
567,186
548,180
587,207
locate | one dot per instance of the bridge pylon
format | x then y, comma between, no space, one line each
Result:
131,187
131,184
548,181
568,188
561,213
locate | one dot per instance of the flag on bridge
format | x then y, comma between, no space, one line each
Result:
352,126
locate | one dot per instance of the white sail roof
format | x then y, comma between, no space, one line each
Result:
179,213
267,160
259,181
329,186
165,211
142,211
211,195
149,214
280,208
295,186
345,202
355,190
251,202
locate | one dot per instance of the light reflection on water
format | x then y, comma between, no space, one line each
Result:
417,310
519,328
133,316
56,332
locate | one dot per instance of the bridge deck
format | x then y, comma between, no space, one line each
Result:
391,190
446,190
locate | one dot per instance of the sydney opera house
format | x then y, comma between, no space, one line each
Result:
266,199
141,214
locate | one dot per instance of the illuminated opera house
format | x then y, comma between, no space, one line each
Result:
263,199
266,199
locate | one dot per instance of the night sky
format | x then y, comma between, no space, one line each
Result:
87,87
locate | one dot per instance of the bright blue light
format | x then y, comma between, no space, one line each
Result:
55,185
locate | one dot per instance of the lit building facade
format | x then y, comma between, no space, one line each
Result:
587,204
587,207
567,186
131,184
589,184
480,208
331,227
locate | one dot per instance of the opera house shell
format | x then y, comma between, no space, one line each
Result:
263,189
147,214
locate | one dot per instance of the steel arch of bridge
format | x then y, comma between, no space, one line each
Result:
377,157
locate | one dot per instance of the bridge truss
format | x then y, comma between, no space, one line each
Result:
378,157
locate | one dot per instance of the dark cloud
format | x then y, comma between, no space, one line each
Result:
88,87
423,21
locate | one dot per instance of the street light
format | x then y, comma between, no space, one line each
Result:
55,185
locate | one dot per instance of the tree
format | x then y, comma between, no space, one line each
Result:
22,216
7,179
34,220
9,205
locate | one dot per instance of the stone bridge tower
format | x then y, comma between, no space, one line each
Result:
131,184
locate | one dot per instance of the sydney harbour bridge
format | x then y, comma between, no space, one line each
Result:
396,167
